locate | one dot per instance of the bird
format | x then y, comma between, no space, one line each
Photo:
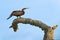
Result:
17,13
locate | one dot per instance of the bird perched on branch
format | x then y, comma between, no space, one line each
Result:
17,13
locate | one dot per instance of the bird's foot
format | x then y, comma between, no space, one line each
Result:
19,17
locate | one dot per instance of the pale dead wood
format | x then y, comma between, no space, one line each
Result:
48,31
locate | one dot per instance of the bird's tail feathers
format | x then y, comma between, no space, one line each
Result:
9,16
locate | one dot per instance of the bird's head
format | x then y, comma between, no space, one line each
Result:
24,9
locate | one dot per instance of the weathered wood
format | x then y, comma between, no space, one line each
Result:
48,31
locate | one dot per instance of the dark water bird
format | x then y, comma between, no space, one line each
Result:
17,13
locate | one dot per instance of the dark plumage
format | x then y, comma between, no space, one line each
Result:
17,13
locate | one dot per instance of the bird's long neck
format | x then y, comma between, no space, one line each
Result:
23,9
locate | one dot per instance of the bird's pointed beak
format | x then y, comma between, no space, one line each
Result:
27,8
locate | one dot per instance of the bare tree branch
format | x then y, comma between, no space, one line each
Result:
48,31
28,21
